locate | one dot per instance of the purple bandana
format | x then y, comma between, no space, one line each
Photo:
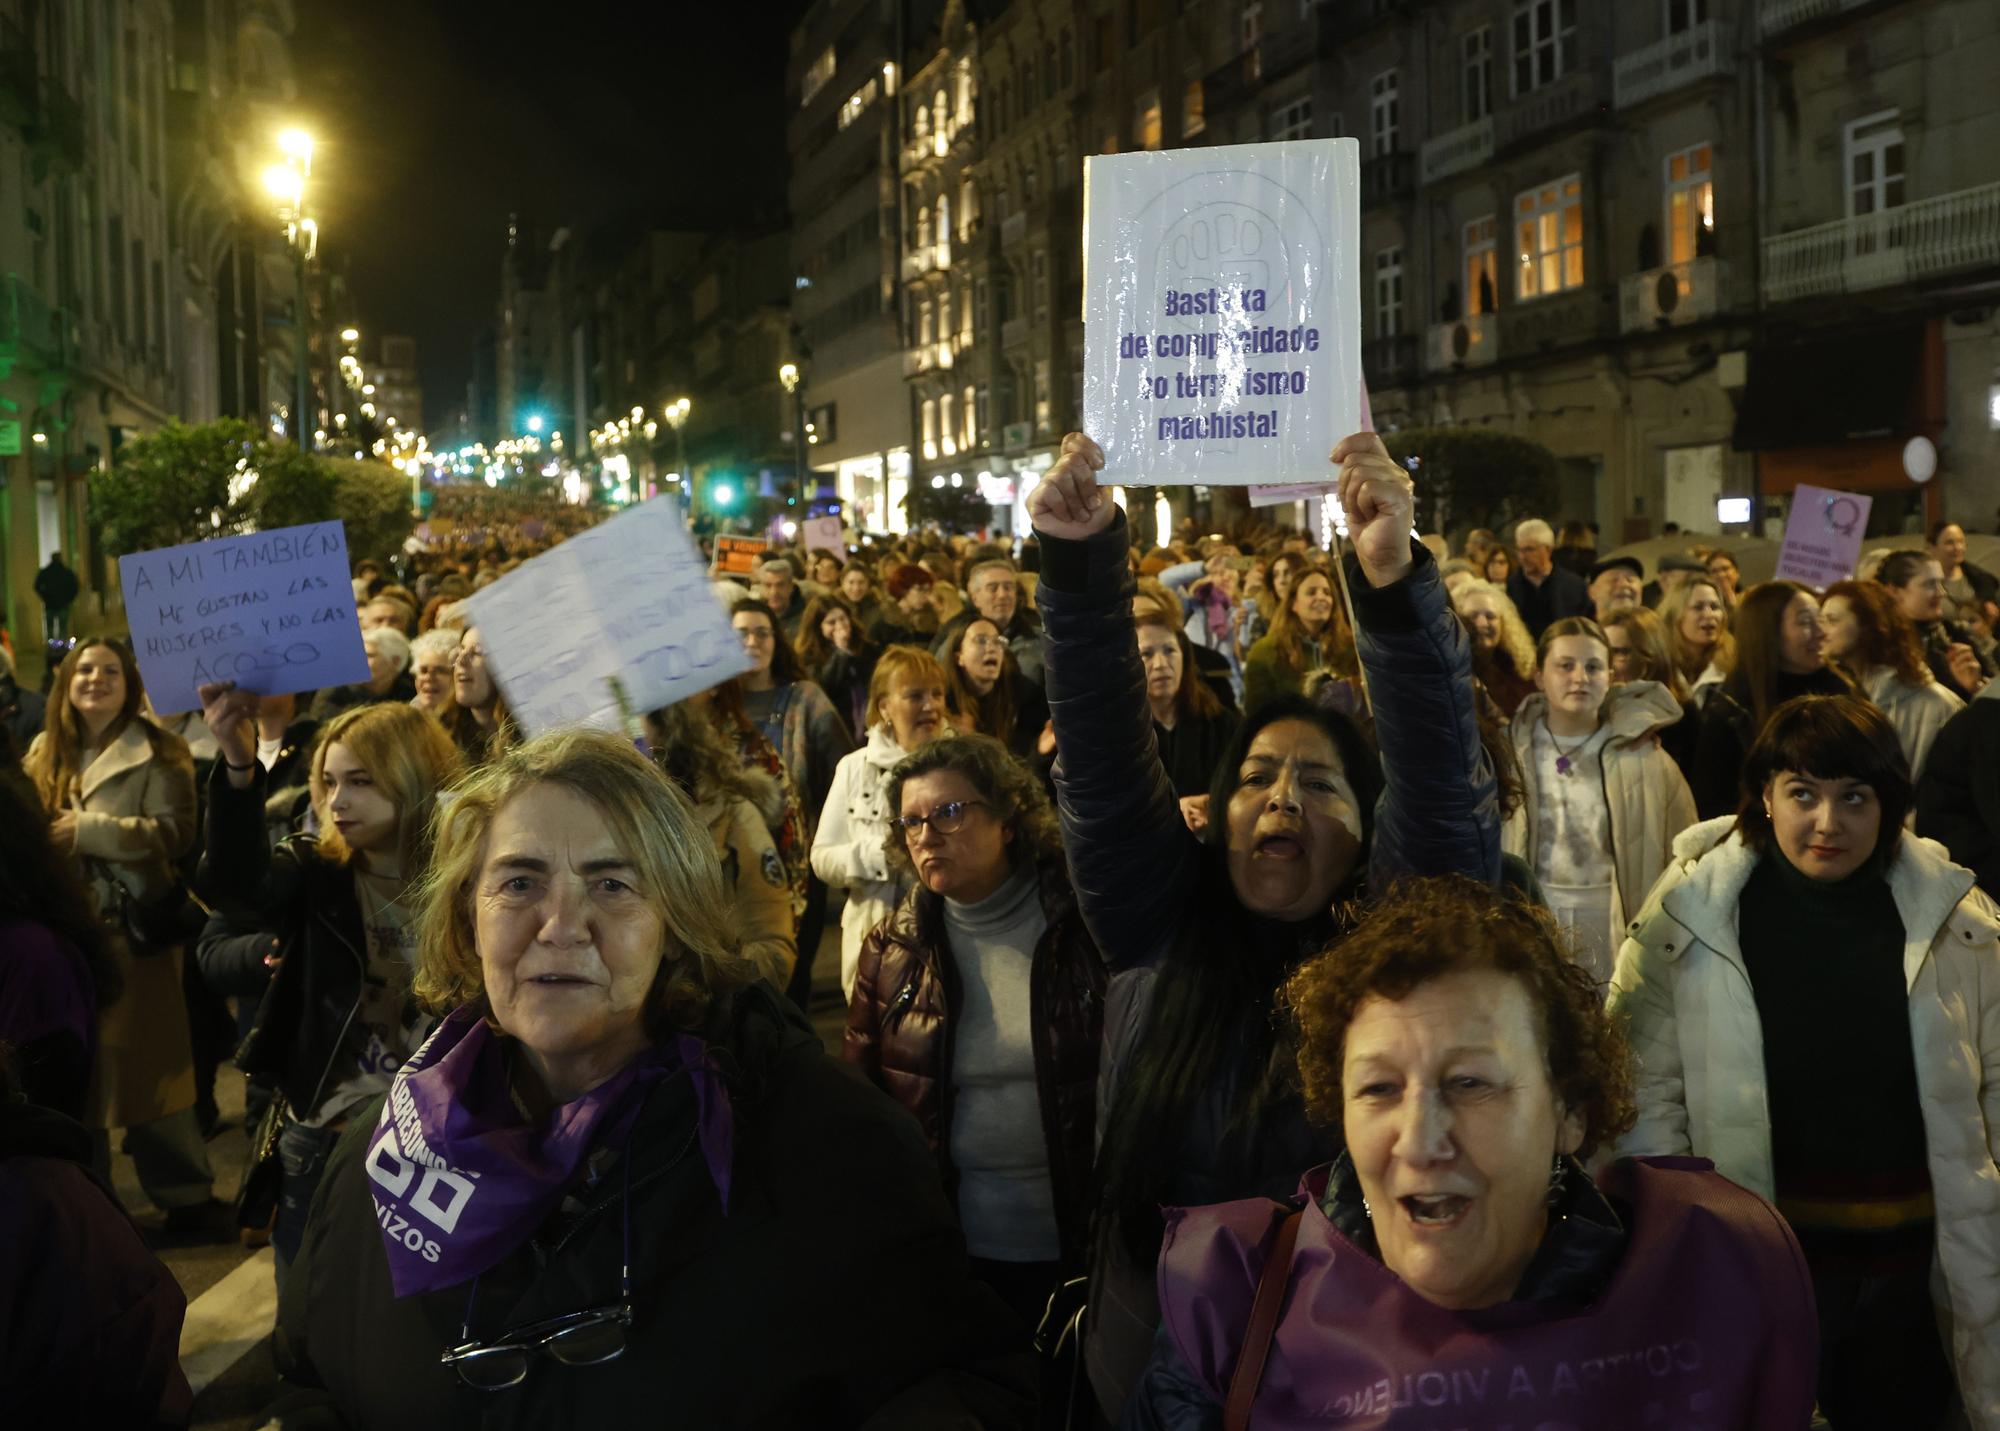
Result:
460,1179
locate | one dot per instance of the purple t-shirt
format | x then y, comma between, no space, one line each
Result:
1708,1321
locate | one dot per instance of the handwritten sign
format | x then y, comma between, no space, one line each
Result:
627,602
738,556
823,534
273,612
1823,536
1222,333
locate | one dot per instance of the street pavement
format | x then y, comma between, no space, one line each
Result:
226,1342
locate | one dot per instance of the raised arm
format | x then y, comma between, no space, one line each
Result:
1131,857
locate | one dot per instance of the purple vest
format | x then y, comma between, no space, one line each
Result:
1708,1323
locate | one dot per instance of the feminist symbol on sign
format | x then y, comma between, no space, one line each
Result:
1833,514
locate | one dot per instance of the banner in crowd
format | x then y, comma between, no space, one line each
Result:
273,612
1823,537
738,556
1222,317
621,610
824,534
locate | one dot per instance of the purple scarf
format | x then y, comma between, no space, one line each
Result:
460,1179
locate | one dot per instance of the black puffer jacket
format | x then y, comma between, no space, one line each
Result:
307,903
834,1293
1156,898
1958,799
904,1013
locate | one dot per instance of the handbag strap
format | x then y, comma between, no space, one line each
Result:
1263,1326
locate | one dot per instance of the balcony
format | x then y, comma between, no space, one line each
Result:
1776,16
926,258
1903,245
936,144
30,330
1389,362
1471,342
919,360
1679,293
1456,150
1387,178
1668,64
1013,332
1569,100
1559,320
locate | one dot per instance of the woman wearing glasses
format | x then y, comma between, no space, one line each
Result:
620,1182
978,1006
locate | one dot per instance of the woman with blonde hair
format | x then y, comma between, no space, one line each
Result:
906,707
1503,653
620,1172
1697,618
479,723
337,1019
120,795
739,805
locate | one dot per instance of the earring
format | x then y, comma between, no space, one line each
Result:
1367,1211
1556,1173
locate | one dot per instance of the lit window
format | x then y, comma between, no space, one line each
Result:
857,102
816,76
1192,119
1548,228
930,429
1482,272
1544,42
1044,418
1690,204
967,410
1146,121
947,410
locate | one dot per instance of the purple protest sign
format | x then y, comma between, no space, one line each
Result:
1823,537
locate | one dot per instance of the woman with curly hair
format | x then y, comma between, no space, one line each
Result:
1503,653
978,1005
1457,1253
1869,639
1810,993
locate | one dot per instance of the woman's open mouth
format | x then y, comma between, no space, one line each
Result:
1280,847
1440,1210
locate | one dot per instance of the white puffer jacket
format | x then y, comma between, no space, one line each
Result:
847,850
1682,984
1917,712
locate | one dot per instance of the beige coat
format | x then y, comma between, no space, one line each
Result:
1684,990
135,816
756,875
1917,712
1646,792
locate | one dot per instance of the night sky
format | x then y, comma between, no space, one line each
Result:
434,120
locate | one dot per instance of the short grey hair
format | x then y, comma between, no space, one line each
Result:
440,643
1534,531
392,643
778,563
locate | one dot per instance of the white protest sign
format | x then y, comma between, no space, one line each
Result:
1823,537
273,612
1283,492
627,601
1222,318
824,534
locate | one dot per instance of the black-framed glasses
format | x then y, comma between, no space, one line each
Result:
946,819
587,1338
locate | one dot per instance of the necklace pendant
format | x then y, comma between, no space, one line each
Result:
1563,767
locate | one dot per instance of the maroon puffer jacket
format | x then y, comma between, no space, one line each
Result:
903,1014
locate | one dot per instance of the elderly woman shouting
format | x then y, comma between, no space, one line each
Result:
1456,1259
1199,934
621,1175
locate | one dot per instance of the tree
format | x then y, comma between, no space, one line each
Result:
1474,477
218,479
373,500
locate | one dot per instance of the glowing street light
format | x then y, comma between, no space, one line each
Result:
297,145
350,335
286,184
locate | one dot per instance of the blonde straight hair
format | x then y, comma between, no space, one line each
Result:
410,758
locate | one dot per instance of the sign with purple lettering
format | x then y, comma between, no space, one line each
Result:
619,618
273,612
1823,537
1222,290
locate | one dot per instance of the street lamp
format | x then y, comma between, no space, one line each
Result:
794,384
677,416
287,184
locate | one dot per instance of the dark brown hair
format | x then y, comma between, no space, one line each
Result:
1194,700
813,649
995,712
785,667
1004,783
1828,738
1760,617
1884,635
1424,929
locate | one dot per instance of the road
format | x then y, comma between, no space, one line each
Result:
225,1344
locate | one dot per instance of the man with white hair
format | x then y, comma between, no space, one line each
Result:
1543,591
778,583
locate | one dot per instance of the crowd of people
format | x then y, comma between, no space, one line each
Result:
1505,985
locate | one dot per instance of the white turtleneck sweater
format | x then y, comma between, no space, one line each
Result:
1005,1199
